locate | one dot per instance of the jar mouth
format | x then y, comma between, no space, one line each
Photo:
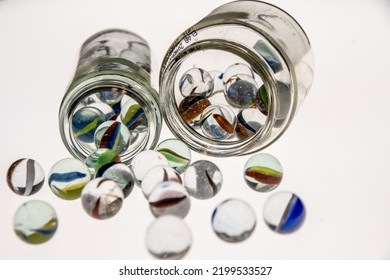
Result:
278,82
84,91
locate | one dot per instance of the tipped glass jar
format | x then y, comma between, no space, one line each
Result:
232,83
111,102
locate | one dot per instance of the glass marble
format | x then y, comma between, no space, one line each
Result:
25,177
85,121
102,198
145,161
99,160
169,198
218,80
68,177
263,172
241,91
176,152
237,68
35,222
191,108
249,121
233,220
284,212
263,100
133,116
111,95
218,122
203,179
106,109
196,81
122,175
112,135
168,237
156,176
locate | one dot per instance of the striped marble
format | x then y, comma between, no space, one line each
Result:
25,177
68,177
102,198
35,222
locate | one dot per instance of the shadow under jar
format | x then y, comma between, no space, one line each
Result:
112,87
261,64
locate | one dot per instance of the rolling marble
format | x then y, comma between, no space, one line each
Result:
68,177
25,177
102,198
233,220
145,161
35,222
158,175
168,238
284,212
203,179
169,198
263,172
176,152
121,174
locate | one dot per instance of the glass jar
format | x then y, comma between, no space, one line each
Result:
233,38
114,67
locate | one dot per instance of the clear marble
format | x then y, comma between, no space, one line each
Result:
156,176
122,175
35,222
102,198
144,161
203,179
112,135
68,177
284,212
176,152
263,172
218,122
241,91
169,198
233,220
25,177
196,81
168,237
85,121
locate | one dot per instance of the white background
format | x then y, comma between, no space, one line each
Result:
336,153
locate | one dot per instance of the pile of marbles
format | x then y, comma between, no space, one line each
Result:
109,118
241,113
168,181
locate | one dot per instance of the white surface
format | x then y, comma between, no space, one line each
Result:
335,155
